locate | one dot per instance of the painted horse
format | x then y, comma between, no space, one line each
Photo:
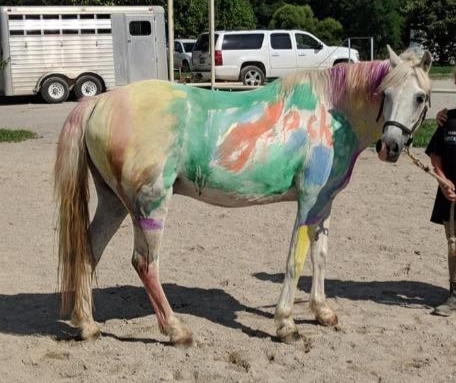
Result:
296,139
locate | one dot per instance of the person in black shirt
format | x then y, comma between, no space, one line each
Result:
442,151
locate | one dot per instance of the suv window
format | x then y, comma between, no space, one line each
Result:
203,43
304,41
280,41
243,41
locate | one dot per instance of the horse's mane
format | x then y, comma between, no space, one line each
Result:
345,85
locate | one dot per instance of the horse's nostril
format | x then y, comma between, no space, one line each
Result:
378,146
394,148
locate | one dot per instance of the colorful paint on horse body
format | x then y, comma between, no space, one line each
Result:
295,139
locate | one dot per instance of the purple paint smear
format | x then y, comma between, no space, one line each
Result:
150,224
374,72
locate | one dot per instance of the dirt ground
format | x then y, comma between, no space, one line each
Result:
222,270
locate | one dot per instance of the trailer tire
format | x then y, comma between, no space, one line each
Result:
87,86
54,90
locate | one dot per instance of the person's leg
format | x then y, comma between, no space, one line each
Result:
449,306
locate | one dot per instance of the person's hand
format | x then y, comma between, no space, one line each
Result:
442,117
448,190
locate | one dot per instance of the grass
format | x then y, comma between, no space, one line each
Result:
441,71
16,135
424,133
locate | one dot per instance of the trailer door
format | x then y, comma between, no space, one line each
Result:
135,53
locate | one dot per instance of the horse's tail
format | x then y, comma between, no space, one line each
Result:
72,192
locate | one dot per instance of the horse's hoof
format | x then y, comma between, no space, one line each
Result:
90,332
328,321
291,338
288,335
183,342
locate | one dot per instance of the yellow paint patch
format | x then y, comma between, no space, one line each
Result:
301,248
152,131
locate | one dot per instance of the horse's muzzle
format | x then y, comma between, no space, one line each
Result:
388,150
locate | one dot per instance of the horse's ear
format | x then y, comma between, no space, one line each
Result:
394,58
426,61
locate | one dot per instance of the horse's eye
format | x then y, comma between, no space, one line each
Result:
420,99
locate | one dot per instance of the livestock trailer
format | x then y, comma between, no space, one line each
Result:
55,50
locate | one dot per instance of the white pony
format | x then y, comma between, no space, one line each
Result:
296,139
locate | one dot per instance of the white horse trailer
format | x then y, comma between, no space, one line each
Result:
55,50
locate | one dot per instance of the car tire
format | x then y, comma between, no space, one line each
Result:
252,76
87,86
55,90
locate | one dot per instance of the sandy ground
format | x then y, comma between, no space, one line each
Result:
222,271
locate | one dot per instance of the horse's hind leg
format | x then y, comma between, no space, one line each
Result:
148,234
108,216
323,313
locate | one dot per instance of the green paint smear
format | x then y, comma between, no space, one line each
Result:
205,116
303,97
211,115
274,176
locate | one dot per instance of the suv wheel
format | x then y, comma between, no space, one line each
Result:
252,75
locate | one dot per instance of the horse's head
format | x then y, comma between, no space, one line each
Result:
406,96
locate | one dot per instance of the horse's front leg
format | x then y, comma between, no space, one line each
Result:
319,249
302,237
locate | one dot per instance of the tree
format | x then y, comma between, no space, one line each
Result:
302,17
434,25
293,17
234,14
264,9
330,31
384,20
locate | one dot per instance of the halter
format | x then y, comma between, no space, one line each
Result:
404,128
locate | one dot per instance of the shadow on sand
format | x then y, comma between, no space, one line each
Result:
37,314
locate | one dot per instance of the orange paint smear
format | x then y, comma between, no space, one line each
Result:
323,132
244,136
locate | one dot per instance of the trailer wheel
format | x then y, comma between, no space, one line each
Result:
54,90
87,86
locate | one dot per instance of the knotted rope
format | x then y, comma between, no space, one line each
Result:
427,169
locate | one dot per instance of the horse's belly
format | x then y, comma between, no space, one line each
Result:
218,197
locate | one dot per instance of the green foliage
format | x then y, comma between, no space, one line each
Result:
234,14
330,31
434,23
293,17
302,17
4,63
384,20
12,135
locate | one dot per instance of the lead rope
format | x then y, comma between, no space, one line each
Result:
427,169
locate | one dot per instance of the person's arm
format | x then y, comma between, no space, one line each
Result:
447,188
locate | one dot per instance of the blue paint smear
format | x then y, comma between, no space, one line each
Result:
319,166
296,141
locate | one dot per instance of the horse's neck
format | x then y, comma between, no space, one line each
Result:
354,94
